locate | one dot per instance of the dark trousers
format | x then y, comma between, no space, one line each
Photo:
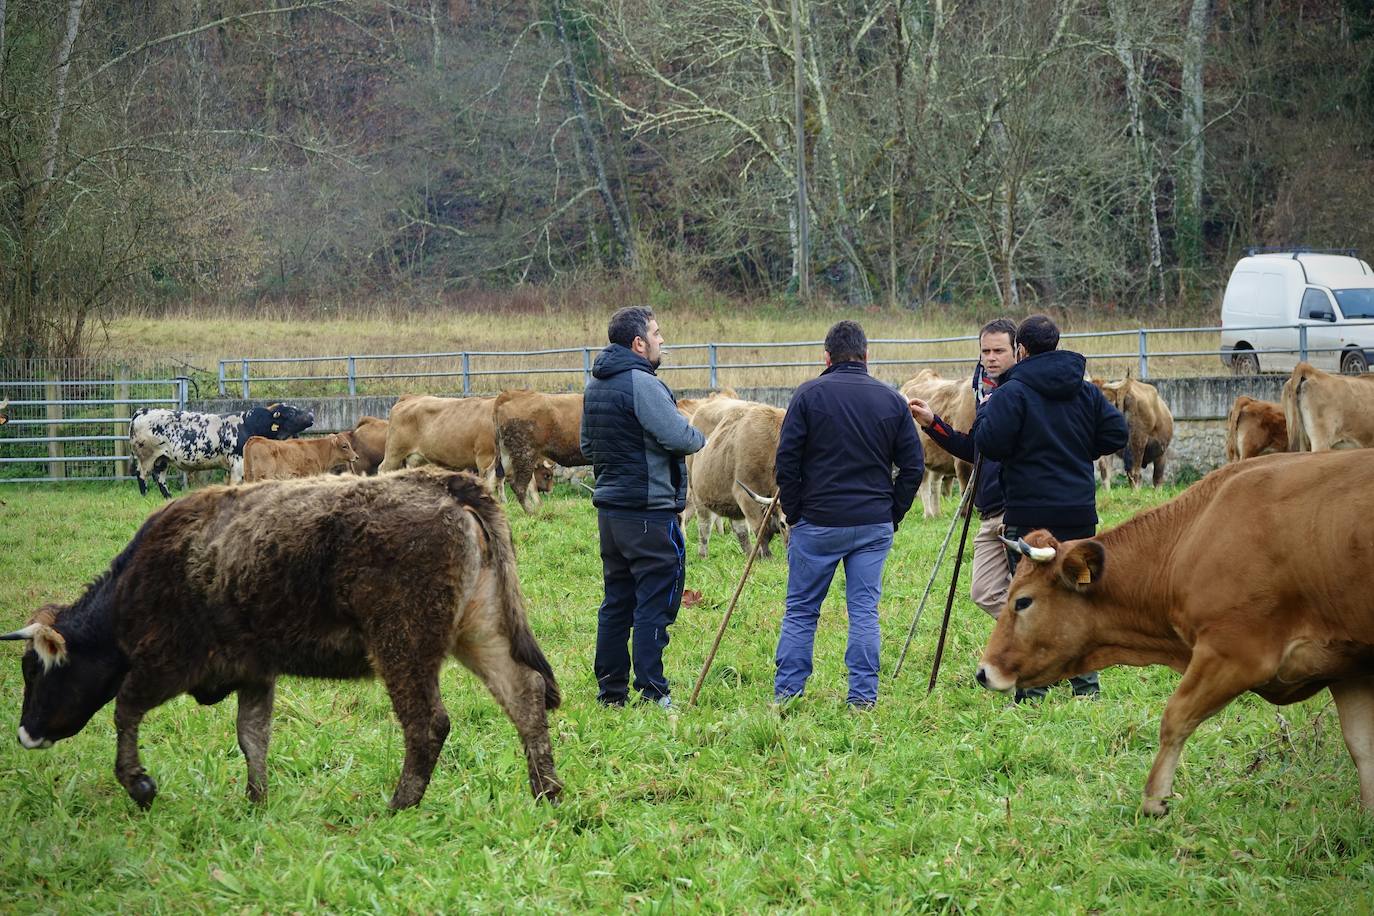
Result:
643,563
1086,683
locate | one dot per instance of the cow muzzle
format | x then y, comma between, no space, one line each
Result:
990,677
33,744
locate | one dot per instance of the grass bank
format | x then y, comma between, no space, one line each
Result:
951,802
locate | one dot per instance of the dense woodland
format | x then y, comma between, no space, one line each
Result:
1111,155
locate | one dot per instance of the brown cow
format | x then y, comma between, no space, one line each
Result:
953,402
1250,580
1150,428
368,438
227,589
688,406
706,414
741,450
1254,428
454,433
531,426
284,459
1325,411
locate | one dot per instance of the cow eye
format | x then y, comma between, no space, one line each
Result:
1023,602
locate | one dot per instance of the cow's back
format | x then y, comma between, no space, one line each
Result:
551,422
452,432
369,441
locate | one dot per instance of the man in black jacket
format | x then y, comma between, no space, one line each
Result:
636,440
991,570
1047,426
843,434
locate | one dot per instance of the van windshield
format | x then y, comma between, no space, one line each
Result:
1356,303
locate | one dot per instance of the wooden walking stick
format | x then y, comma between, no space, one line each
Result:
711,656
953,583
935,570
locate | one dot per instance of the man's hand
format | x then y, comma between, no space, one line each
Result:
921,412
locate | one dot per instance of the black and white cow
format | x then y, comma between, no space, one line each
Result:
202,441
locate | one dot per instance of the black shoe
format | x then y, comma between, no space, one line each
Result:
612,702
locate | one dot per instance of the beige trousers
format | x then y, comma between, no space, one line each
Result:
991,570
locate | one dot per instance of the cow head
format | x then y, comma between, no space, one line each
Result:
65,682
277,421
778,522
1045,630
343,454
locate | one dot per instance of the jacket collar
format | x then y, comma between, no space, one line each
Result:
847,366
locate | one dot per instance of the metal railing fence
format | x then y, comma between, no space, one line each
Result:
69,420
1145,352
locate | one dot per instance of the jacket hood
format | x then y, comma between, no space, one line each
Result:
1057,375
616,359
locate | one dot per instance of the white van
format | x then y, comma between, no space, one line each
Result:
1317,290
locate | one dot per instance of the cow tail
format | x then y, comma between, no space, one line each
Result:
1292,411
1233,432
470,492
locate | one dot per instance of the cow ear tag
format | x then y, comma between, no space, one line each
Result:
1085,576
276,426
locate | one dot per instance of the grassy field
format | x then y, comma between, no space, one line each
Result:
951,802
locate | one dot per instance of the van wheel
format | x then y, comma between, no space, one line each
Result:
1245,363
1353,362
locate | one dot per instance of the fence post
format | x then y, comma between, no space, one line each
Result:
245,380
586,366
467,380
222,391
352,378
120,422
711,360
183,391
53,393
1302,342
1144,349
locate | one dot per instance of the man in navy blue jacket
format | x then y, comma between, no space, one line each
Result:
843,434
991,570
636,440
1047,426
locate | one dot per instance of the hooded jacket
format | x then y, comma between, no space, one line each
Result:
1047,426
987,495
634,435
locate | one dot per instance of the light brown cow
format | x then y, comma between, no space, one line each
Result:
1325,411
706,414
953,402
454,433
1250,580
368,438
1254,428
741,450
285,459
1150,428
688,406
531,426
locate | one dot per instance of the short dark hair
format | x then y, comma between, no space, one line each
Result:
1038,334
628,323
846,342
1000,326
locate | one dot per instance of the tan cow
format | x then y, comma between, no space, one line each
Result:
368,438
454,433
1250,580
1254,428
1325,411
285,459
741,450
953,402
532,426
706,414
688,406
1150,428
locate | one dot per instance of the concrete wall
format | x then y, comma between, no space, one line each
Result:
1199,406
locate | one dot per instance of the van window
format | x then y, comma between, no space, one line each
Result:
1356,303
1314,300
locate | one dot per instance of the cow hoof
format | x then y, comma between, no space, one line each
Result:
551,792
143,790
1156,807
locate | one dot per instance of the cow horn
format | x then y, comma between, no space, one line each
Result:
1038,554
26,633
761,500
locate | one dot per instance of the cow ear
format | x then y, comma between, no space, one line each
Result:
50,646
1082,565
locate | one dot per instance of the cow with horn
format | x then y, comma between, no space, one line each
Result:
1188,586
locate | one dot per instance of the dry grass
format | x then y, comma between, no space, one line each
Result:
520,321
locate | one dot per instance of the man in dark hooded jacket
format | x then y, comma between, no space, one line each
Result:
1047,426
636,440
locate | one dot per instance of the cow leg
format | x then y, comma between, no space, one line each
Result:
520,691
1209,683
160,476
930,495
1157,476
235,469
705,521
255,731
128,768
412,680
1104,470
1355,704
741,529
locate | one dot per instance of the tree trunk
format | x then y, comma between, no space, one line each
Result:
1125,53
803,221
1190,220
64,65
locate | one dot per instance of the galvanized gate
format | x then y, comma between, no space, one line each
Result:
69,419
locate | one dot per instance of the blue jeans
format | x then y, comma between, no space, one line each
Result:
813,552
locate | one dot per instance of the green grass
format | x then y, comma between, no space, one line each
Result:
955,801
